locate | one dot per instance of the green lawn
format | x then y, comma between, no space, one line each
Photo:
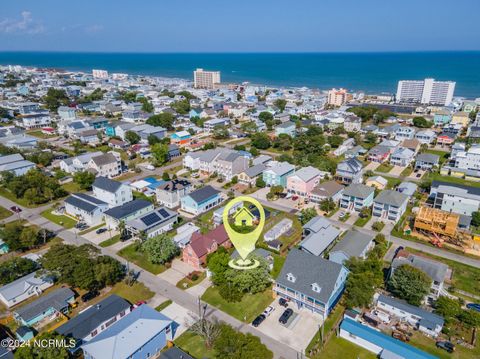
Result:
22,202
428,345
163,305
5,213
392,182
194,345
435,176
246,310
406,172
384,168
40,134
278,262
186,283
464,277
72,187
111,241
61,220
345,217
140,195
333,318
341,348
293,235
360,222
131,254
135,293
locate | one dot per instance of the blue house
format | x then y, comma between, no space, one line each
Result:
110,129
201,200
357,196
195,112
98,123
442,118
311,282
379,343
3,247
287,128
277,174
24,334
47,307
141,334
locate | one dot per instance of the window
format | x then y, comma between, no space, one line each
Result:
291,278
110,322
95,332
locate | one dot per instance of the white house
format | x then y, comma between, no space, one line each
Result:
23,288
16,164
85,208
112,192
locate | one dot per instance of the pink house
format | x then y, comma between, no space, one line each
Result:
303,181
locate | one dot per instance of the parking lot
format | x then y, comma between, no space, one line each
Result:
299,330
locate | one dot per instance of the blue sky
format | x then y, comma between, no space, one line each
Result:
239,26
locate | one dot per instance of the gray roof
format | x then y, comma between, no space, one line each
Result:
286,124
358,190
320,235
56,299
256,170
175,353
174,185
281,168
353,244
327,189
419,312
83,201
403,152
107,184
435,270
352,164
14,289
307,270
128,208
429,158
455,189
379,150
84,323
307,173
104,159
392,198
204,193
11,158
159,216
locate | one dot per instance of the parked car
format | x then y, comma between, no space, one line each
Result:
342,214
285,316
258,320
89,296
16,209
101,230
294,198
150,167
268,310
474,306
446,345
283,302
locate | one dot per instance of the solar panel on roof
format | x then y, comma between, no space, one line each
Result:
150,219
163,213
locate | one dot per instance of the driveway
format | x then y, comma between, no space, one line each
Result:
200,288
176,272
413,175
298,332
371,221
353,218
92,236
396,171
372,166
181,317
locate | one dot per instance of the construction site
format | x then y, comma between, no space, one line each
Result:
442,229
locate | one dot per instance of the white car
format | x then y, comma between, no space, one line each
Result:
150,167
268,311
342,214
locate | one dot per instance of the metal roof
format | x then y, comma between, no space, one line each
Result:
56,299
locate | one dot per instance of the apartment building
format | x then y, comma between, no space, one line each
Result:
426,91
338,97
205,79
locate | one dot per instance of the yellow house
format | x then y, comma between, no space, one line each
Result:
244,217
461,118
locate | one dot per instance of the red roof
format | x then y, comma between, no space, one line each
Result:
202,243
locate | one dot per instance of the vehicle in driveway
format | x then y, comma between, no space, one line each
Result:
268,310
294,198
446,345
283,302
285,316
342,214
474,306
258,320
101,230
89,296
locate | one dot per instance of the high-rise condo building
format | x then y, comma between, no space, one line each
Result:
205,79
338,97
100,74
427,91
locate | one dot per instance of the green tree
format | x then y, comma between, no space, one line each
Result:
84,179
327,205
152,139
231,344
448,308
182,107
307,214
146,105
476,219
165,176
160,153
265,116
45,351
260,183
409,283
283,142
280,103
187,95
249,127
261,141
160,249
335,141
164,119
220,132
15,268
132,137
4,113
55,98
422,122
29,237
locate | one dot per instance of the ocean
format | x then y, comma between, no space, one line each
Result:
369,72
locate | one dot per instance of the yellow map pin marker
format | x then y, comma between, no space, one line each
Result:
244,242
